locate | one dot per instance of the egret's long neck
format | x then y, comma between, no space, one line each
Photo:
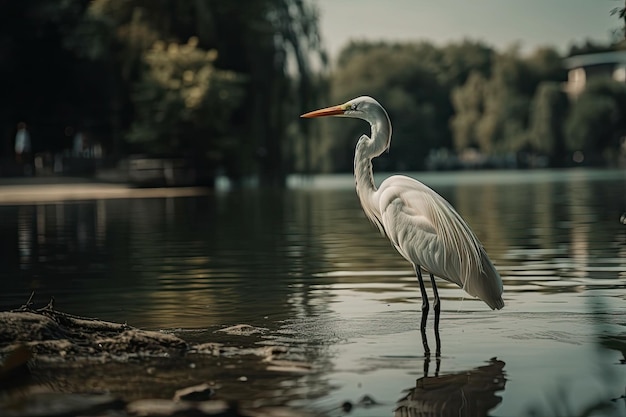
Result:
367,149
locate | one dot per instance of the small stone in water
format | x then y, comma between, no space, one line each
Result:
202,392
156,407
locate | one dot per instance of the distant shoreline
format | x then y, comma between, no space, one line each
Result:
50,190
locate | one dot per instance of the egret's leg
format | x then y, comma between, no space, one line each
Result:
437,308
425,308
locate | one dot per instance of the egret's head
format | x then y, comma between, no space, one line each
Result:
363,107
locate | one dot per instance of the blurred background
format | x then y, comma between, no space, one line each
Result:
122,89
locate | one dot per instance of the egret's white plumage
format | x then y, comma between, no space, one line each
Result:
428,232
422,225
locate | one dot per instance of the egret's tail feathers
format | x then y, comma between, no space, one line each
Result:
487,285
495,304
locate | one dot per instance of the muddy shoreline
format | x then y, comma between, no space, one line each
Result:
59,364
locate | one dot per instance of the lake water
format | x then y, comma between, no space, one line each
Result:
305,265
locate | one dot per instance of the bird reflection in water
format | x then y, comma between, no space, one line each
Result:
468,393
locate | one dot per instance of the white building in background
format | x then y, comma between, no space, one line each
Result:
582,68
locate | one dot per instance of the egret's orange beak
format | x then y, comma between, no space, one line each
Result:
328,111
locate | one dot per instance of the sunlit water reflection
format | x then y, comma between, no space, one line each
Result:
305,265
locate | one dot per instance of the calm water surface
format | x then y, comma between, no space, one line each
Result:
306,265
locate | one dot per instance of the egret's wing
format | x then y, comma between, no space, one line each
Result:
412,234
427,231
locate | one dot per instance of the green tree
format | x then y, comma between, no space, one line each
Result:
412,81
597,121
495,119
183,102
460,60
492,113
258,39
544,64
547,114
468,102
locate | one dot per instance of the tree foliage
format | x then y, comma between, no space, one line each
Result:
547,114
492,114
597,120
468,101
462,95
413,82
469,96
257,39
105,68
182,101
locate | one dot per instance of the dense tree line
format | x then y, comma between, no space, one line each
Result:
508,107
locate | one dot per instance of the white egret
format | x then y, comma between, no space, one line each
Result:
423,227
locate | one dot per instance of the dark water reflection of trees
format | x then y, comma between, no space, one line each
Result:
229,246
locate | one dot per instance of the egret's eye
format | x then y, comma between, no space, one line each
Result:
353,106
